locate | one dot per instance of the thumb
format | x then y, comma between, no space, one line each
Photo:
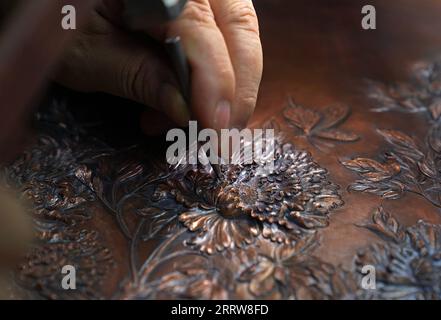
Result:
116,63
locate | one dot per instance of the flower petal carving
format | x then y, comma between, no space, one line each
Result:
215,233
254,235
60,206
407,264
232,211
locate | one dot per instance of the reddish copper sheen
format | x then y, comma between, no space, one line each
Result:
356,181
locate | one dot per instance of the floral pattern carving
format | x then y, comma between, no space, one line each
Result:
265,271
81,249
406,261
125,188
410,165
320,128
232,210
291,272
407,264
59,207
421,94
195,277
407,167
189,233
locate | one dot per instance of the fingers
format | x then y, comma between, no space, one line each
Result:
221,39
109,60
213,80
238,22
30,45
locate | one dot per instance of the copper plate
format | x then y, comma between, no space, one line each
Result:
357,181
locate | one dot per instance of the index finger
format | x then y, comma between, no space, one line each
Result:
213,81
238,22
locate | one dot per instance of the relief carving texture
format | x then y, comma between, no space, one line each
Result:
188,234
321,129
410,164
61,207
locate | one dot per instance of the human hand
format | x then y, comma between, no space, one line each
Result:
220,38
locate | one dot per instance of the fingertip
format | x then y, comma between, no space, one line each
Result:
222,115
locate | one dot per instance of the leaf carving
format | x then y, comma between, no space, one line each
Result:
373,170
435,109
320,126
401,141
385,226
334,115
301,117
338,135
421,94
407,167
406,262
435,138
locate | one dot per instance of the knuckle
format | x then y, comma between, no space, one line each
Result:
245,105
242,14
248,102
199,11
252,52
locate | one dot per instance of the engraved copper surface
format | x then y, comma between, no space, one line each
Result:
357,180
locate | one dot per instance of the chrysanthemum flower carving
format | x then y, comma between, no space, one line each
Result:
231,211
61,208
408,264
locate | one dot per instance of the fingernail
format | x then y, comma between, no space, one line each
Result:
174,105
222,115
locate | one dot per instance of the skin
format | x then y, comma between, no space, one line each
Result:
220,37
221,40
